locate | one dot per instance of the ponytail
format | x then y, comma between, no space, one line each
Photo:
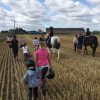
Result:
24,45
14,37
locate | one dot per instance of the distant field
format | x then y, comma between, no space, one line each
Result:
77,77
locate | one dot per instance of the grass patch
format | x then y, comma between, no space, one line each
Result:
2,39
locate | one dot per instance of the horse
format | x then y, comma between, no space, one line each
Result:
53,42
92,42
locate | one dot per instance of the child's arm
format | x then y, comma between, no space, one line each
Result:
25,79
28,50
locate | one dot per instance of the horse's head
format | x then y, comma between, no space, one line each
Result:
46,35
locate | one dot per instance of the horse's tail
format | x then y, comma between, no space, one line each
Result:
57,43
95,43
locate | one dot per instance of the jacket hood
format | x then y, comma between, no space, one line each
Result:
31,72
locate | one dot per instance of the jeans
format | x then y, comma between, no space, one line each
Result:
75,46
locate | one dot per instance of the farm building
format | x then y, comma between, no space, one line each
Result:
67,30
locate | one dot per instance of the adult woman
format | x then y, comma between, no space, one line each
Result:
14,44
42,60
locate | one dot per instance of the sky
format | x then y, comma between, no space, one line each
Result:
41,14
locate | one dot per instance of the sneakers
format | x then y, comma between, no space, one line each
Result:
43,90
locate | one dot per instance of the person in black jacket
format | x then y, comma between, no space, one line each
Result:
14,44
88,33
50,34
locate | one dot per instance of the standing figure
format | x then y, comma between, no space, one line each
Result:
80,43
31,79
35,43
8,39
25,52
42,38
75,42
42,61
21,42
14,44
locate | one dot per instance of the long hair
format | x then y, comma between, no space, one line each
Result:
76,35
43,44
24,45
14,37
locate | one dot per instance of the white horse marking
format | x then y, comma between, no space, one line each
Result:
53,39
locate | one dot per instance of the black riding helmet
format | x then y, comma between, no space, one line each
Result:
30,63
88,29
51,75
51,28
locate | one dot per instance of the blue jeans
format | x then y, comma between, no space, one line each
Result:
47,39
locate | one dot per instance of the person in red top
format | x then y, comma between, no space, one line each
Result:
50,33
42,38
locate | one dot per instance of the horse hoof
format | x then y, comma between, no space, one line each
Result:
57,58
86,53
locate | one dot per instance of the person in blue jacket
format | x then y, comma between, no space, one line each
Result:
31,79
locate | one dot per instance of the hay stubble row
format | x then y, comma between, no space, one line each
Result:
76,76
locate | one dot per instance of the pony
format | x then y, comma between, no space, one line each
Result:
53,42
92,42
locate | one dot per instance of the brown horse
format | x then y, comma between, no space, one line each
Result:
92,42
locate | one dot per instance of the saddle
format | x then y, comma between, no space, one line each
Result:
49,43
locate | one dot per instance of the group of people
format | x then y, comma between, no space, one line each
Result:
34,76
78,41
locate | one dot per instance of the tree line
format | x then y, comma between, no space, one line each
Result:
16,31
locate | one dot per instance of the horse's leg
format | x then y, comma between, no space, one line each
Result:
53,52
48,49
93,54
58,54
86,50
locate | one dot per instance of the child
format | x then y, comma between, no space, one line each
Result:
75,42
21,42
35,43
31,78
8,39
25,51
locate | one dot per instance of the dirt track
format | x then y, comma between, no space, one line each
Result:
77,77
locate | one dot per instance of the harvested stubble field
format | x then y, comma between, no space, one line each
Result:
77,77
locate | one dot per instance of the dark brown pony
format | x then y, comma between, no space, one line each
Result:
92,42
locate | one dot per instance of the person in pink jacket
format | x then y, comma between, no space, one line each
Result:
42,61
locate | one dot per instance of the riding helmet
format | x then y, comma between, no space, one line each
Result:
51,28
87,28
30,63
51,75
